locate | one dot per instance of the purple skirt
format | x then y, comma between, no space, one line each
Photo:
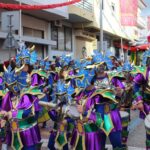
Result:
92,140
29,137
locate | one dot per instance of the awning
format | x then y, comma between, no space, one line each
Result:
118,45
140,47
133,48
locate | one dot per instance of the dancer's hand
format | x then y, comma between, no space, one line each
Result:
80,108
133,107
9,115
2,123
140,106
3,113
64,122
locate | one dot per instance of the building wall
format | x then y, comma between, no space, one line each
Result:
89,45
4,54
62,11
35,23
61,33
112,25
32,23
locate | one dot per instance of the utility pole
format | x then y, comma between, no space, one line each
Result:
122,50
10,23
20,23
101,27
10,36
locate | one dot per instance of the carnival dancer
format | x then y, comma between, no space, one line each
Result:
21,108
105,104
122,81
58,135
1,87
53,76
86,133
27,57
39,78
128,83
142,92
3,122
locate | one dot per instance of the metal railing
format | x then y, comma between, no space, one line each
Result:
84,4
141,21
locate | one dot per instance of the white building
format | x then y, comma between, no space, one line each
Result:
36,27
70,29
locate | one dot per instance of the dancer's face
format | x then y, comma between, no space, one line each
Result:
126,74
101,69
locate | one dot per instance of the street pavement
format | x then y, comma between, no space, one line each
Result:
136,140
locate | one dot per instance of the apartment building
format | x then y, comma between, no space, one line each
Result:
72,29
85,17
36,27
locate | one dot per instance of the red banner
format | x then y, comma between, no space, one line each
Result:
148,39
36,7
148,23
128,10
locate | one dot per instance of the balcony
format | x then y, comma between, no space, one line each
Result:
81,12
141,23
85,5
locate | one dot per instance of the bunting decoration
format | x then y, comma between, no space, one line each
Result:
36,7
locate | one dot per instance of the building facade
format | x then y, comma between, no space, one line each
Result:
35,28
115,36
73,29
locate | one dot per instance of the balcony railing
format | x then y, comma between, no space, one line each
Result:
141,22
84,4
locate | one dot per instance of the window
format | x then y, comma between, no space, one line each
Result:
54,36
33,32
117,52
61,39
38,33
62,36
68,39
113,6
27,31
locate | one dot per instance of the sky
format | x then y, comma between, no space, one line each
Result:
146,11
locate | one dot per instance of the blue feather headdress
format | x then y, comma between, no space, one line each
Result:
60,88
127,66
10,79
146,54
26,57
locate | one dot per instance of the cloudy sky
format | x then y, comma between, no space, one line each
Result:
147,10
